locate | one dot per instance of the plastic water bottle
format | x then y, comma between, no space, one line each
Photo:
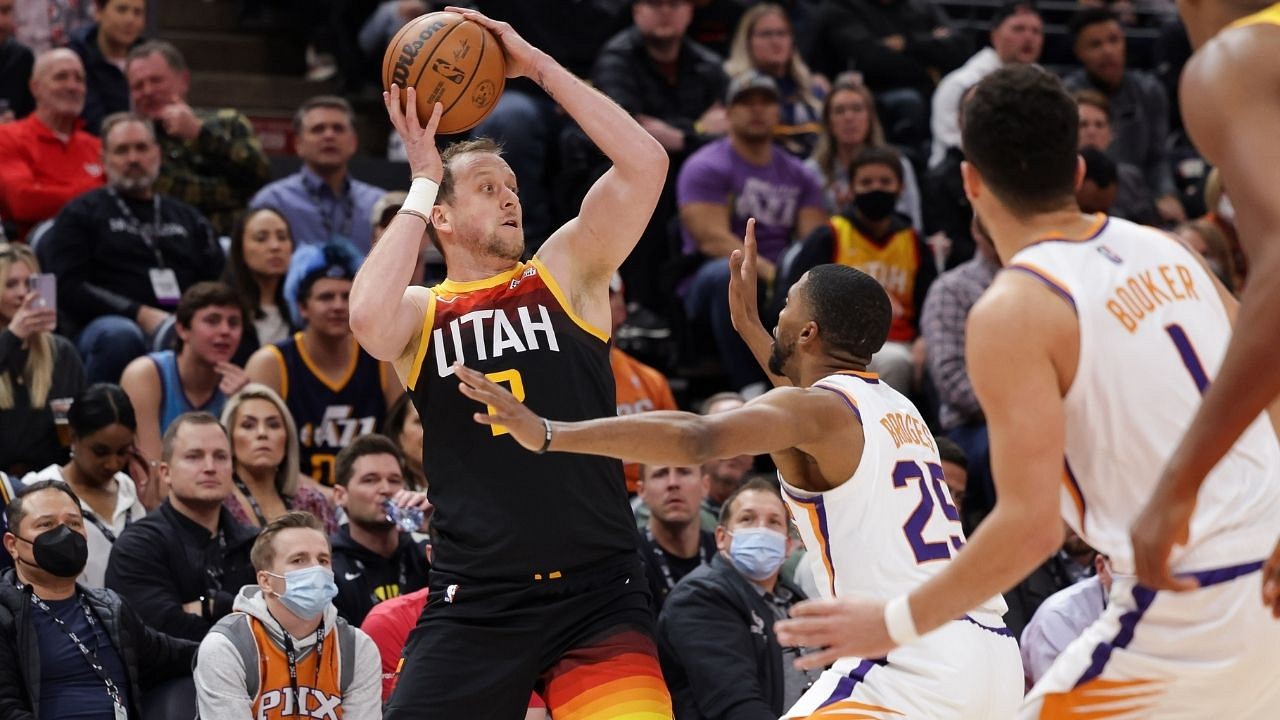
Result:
408,519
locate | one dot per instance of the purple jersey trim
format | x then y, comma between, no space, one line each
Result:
844,397
1001,631
846,684
1049,283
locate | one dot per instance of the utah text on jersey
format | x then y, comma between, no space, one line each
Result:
503,336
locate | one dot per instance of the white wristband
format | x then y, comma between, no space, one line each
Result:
898,621
421,196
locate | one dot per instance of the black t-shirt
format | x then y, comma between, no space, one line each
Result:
664,569
69,688
102,260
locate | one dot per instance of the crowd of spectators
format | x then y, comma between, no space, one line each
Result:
188,426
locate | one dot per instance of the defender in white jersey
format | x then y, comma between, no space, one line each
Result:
861,475
1089,354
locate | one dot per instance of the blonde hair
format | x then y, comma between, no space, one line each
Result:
37,374
740,51
824,153
287,471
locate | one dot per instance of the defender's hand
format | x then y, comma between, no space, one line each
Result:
1162,523
744,305
419,142
842,628
526,427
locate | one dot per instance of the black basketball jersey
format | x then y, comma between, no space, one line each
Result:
329,412
502,512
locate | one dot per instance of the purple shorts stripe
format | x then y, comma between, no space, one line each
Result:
844,397
846,684
1001,631
1049,283
1221,575
1143,597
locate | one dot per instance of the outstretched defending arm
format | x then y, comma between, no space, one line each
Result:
588,249
744,305
386,314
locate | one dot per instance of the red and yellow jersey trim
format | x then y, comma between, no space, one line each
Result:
428,320
1267,16
554,287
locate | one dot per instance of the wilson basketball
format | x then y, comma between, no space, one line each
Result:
449,60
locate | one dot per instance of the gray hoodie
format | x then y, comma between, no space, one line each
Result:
220,678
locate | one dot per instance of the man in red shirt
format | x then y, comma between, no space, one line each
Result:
45,158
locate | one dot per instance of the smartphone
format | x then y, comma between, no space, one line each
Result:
46,285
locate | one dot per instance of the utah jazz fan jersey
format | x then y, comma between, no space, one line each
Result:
330,412
502,512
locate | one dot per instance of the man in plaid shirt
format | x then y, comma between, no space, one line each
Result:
946,307
209,159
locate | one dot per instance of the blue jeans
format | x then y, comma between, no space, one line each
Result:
107,345
707,304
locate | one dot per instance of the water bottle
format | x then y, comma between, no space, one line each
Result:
408,519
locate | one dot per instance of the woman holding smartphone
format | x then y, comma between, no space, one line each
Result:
39,371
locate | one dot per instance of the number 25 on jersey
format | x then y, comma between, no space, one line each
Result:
928,480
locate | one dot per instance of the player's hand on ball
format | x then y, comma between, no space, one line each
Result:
849,627
522,58
419,141
504,409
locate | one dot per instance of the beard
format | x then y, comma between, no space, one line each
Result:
778,357
132,183
495,246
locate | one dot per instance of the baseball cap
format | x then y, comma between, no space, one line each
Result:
751,80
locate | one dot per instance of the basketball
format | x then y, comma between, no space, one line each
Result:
449,60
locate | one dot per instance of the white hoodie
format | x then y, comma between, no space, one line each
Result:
220,678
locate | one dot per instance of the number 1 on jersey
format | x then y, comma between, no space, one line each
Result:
1189,357
511,377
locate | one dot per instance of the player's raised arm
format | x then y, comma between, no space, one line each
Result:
1010,358
1234,125
795,418
619,205
744,305
386,314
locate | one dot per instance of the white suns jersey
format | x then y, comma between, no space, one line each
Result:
891,526
1153,332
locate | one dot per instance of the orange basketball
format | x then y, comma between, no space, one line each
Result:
449,60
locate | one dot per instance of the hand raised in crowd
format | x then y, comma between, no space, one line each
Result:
522,58
180,121
233,378
30,319
715,121
143,471
526,427
419,141
848,627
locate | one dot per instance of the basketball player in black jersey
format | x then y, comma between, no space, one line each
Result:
536,581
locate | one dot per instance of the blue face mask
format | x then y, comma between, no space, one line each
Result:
307,591
757,552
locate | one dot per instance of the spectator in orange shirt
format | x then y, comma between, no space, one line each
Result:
639,387
46,158
389,623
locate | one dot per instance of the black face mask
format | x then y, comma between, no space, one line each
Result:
875,205
61,552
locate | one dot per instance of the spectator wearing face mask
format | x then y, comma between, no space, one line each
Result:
67,650
715,634
285,651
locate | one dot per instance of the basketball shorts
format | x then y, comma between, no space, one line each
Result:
583,641
964,670
1209,653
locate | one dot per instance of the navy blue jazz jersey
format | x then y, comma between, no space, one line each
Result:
502,512
330,412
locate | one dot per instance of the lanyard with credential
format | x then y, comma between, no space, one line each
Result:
253,502
102,527
90,656
149,236
661,559
291,655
